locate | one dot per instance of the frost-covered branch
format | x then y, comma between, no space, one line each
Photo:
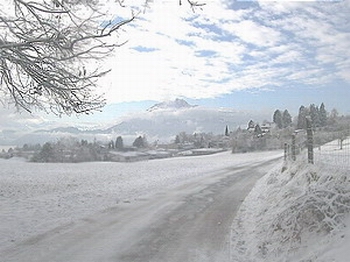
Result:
46,50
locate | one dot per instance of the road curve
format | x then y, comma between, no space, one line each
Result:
188,223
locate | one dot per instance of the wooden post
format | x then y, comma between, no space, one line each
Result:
294,157
285,151
310,141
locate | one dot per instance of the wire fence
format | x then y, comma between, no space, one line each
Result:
334,154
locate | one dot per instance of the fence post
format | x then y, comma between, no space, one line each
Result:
310,141
285,151
293,148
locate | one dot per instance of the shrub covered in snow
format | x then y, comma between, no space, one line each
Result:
291,212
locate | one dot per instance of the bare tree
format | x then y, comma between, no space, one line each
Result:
46,48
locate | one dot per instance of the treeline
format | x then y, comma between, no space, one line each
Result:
268,135
198,140
69,150
318,116
118,144
272,135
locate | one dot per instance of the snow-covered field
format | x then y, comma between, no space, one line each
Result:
297,212
36,198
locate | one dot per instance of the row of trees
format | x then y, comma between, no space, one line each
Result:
317,115
69,150
327,127
72,150
139,142
258,137
282,119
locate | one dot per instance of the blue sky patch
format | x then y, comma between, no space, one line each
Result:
144,49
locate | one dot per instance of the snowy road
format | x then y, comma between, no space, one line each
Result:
186,222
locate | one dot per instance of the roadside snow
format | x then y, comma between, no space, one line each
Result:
297,212
36,198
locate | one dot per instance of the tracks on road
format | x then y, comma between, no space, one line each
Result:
189,223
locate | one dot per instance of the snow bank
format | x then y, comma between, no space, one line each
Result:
297,212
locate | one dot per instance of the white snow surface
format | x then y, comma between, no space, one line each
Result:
297,212
38,197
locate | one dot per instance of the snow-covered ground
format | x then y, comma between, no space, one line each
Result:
297,212
38,197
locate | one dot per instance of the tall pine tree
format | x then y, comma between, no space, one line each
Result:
226,131
286,119
277,118
303,112
314,114
119,144
323,115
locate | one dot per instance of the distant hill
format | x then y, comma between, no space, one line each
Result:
176,104
162,121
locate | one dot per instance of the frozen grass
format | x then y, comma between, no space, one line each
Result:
297,212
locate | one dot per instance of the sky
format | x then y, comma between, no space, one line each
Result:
243,54
247,55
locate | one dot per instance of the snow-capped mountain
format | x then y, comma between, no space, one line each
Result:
161,122
164,121
176,104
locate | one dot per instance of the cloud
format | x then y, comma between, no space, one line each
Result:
253,33
173,52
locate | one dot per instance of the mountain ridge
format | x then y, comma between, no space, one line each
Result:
161,122
178,103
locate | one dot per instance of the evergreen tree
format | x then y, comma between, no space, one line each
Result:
323,115
277,118
286,119
119,144
139,142
226,131
303,112
251,124
314,114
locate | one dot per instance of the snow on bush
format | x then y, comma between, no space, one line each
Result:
290,213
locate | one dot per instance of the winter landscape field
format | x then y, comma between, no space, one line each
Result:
174,131
296,212
40,198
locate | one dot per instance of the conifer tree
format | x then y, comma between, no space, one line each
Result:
119,144
323,115
251,124
226,131
286,118
277,118
303,112
139,142
314,114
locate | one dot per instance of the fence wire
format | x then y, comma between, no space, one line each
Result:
334,154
